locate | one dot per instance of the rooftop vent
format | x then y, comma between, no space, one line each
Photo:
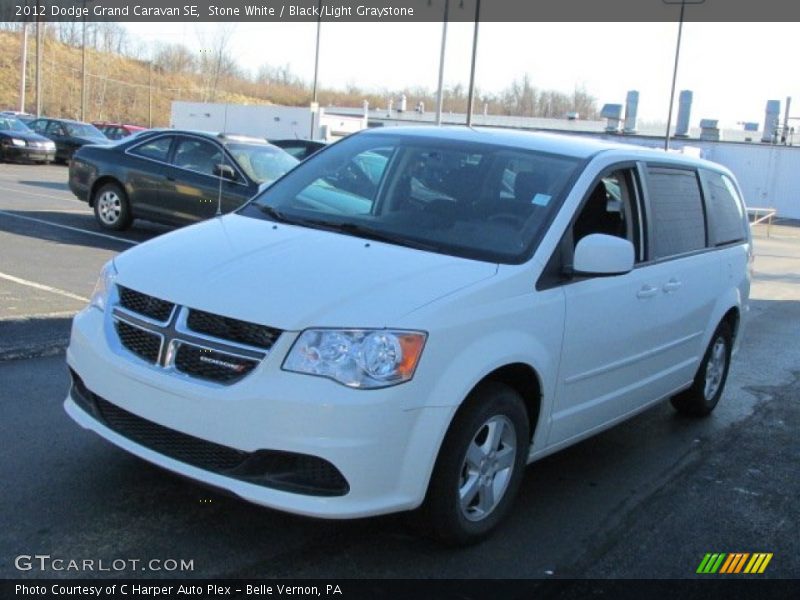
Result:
771,118
631,110
612,112
709,130
684,113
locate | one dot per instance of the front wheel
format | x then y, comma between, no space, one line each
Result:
111,207
480,466
709,382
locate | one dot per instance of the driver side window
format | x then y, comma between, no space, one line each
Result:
612,208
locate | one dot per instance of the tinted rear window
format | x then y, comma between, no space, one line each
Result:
726,215
676,212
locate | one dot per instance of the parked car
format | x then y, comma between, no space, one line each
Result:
68,135
174,177
118,131
17,142
347,345
300,149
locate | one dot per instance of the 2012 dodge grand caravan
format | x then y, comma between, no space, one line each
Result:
410,316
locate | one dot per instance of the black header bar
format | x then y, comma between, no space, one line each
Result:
407,11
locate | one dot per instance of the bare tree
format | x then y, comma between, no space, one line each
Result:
216,61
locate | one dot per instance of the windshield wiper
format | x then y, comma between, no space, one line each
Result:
347,228
379,236
274,214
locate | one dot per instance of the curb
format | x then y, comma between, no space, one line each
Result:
34,337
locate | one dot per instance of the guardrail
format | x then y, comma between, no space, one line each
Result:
759,215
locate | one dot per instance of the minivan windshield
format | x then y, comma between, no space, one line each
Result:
483,201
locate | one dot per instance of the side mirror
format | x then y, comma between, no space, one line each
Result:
600,254
225,171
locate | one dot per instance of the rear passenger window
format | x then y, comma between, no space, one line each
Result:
157,149
676,212
726,221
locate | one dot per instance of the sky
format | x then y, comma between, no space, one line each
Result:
732,68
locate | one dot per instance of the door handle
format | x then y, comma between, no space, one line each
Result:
647,291
672,285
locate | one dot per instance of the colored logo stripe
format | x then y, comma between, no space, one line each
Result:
758,563
724,563
711,562
734,563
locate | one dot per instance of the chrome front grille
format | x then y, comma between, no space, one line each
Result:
188,342
143,343
142,304
232,330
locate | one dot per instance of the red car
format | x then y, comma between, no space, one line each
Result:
117,131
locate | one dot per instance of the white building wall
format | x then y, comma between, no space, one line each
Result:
260,120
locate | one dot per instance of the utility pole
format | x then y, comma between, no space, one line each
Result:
23,75
440,94
83,67
471,95
314,100
39,51
150,97
683,4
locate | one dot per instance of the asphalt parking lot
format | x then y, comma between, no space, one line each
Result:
647,499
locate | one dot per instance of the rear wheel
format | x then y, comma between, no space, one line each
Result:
709,382
480,466
111,207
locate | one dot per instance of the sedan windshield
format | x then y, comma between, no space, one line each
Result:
475,200
84,130
263,164
11,124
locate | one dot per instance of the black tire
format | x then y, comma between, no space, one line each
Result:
443,515
709,382
111,207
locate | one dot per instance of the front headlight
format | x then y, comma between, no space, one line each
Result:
18,142
358,358
103,286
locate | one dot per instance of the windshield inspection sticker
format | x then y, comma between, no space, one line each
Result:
541,200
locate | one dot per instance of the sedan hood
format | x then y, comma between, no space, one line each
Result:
292,277
28,136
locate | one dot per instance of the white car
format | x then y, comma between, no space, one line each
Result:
409,317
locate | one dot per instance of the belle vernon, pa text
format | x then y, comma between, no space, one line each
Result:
125,589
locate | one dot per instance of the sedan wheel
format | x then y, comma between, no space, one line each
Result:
111,208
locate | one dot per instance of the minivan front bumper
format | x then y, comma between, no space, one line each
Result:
379,444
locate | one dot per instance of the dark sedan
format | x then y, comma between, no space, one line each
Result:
173,177
17,142
68,135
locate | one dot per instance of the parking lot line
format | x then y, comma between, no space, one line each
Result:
78,229
17,190
44,288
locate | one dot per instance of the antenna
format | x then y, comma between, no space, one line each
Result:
219,191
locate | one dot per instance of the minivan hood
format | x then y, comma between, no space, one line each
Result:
292,277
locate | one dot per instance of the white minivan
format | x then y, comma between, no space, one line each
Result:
412,315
